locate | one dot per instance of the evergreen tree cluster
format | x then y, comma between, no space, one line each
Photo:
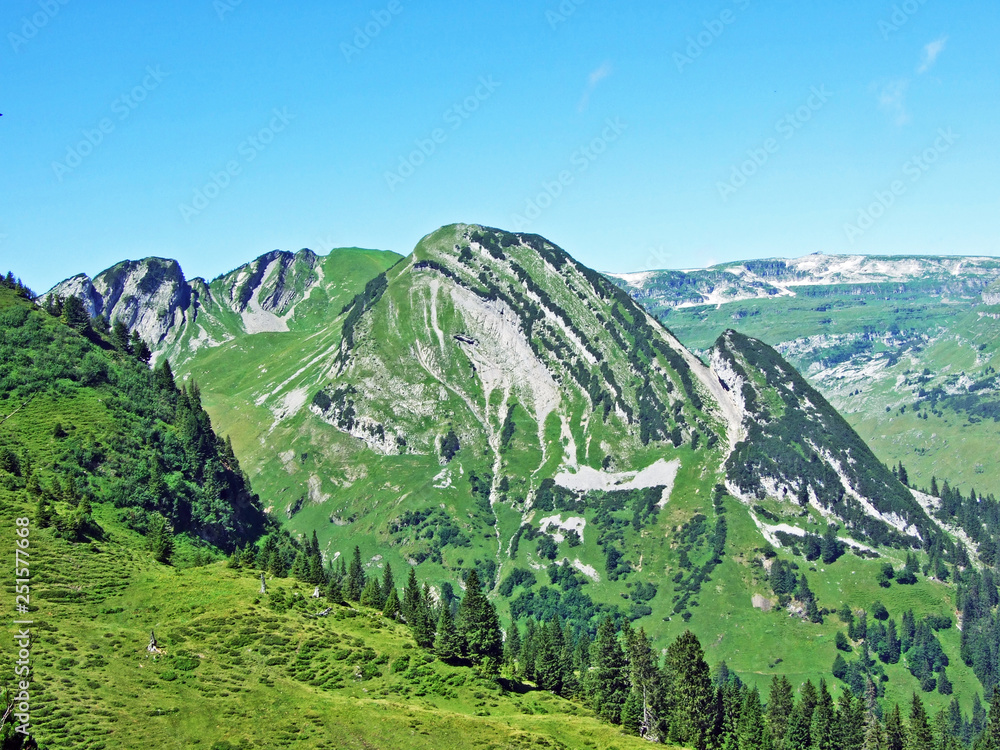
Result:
152,452
916,640
16,285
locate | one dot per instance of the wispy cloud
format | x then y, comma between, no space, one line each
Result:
930,54
593,81
892,99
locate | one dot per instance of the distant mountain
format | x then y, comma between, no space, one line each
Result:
177,317
776,277
905,347
487,402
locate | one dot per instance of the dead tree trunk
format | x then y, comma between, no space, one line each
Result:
153,647
263,586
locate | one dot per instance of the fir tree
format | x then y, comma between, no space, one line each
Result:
692,688
823,729
797,735
632,713
371,595
423,625
448,645
161,540
919,735
388,582
609,675
411,597
355,577
479,626
850,722
391,609
752,732
548,659
779,708
991,735
512,649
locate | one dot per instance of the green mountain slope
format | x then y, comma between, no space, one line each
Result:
489,403
904,348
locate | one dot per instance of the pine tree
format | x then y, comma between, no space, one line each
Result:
480,627
75,313
512,649
388,582
850,722
779,708
751,732
548,659
571,683
797,735
355,577
692,688
300,568
943,683
956,721
991,735
161,540
423,624
119,338
391,609
874,738
642,675
632,713
978,715
609,674
448,645
529,649
371,595
43,513
334,590
411,597
823,729
919,735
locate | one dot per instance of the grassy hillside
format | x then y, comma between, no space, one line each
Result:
872,350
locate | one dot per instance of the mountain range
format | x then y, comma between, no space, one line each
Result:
488,403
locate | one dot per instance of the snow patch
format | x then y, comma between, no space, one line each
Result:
662,473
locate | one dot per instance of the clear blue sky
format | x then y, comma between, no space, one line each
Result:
513,101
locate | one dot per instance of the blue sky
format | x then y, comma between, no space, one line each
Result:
635,135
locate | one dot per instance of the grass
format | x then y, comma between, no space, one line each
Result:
240,668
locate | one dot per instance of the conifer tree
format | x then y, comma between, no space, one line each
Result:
480,627
692,688
371,595
423,623
448,645
979,720
391,609
388,582
334,590
529,649
797,734
991,734
850,722
823,729
548,659
632,713
411,597
919,735
355,577
512,649
609,674
751,732
571,683
779,709
643,676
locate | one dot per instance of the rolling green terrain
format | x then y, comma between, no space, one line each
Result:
488,404
905,348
